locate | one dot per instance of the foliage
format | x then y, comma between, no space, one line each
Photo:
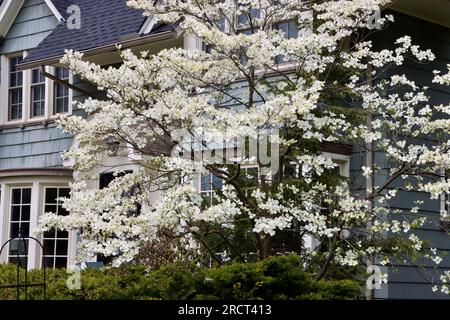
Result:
166,110
275,278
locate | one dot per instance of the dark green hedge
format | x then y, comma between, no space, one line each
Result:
274,278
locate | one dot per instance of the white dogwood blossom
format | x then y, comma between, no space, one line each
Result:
317,89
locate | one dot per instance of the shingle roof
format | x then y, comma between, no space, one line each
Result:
62,5
103,22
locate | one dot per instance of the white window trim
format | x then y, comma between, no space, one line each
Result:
38,186
71,247
26,94
343,161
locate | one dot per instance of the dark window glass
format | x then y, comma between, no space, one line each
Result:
49,247
60,262
51,194
15,213
25,213
61,247
16,196
26,196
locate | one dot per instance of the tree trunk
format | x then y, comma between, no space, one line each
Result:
265,247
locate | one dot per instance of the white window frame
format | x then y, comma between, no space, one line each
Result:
9,217
26,94
37,207
42,238
343,162
32,86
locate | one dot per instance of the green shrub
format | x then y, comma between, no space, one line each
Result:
275,278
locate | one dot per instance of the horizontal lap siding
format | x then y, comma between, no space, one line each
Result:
412,280
33,23
33,147
36,146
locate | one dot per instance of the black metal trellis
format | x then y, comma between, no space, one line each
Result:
25,285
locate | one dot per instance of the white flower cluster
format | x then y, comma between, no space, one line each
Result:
157,103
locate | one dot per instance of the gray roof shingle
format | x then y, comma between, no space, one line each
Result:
62,5
103,22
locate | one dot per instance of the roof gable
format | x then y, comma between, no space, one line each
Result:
59,7
9,9
103,23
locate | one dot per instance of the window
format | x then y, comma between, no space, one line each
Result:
61,92
37,93
445,205
251,179
19,224
15,89
106,178
208,186
55,242
29,95
243,20
290,30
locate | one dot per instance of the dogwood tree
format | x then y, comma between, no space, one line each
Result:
300,74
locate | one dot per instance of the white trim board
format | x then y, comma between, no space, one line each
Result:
54,10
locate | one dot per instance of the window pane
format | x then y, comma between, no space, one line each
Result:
26,196
206,182
61,92
50,234
38,100
62,211
64,193
15,90
217,182
51,194
62,105
60,263
62,73
25,228
48,262
63,235
26,213
49,247
16,195
243,19
14,232
37,76
61,247
51,208
15,213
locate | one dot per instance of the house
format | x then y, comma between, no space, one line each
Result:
35,89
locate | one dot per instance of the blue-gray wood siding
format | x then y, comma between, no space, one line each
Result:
33,23
406,279
33,147
37,146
